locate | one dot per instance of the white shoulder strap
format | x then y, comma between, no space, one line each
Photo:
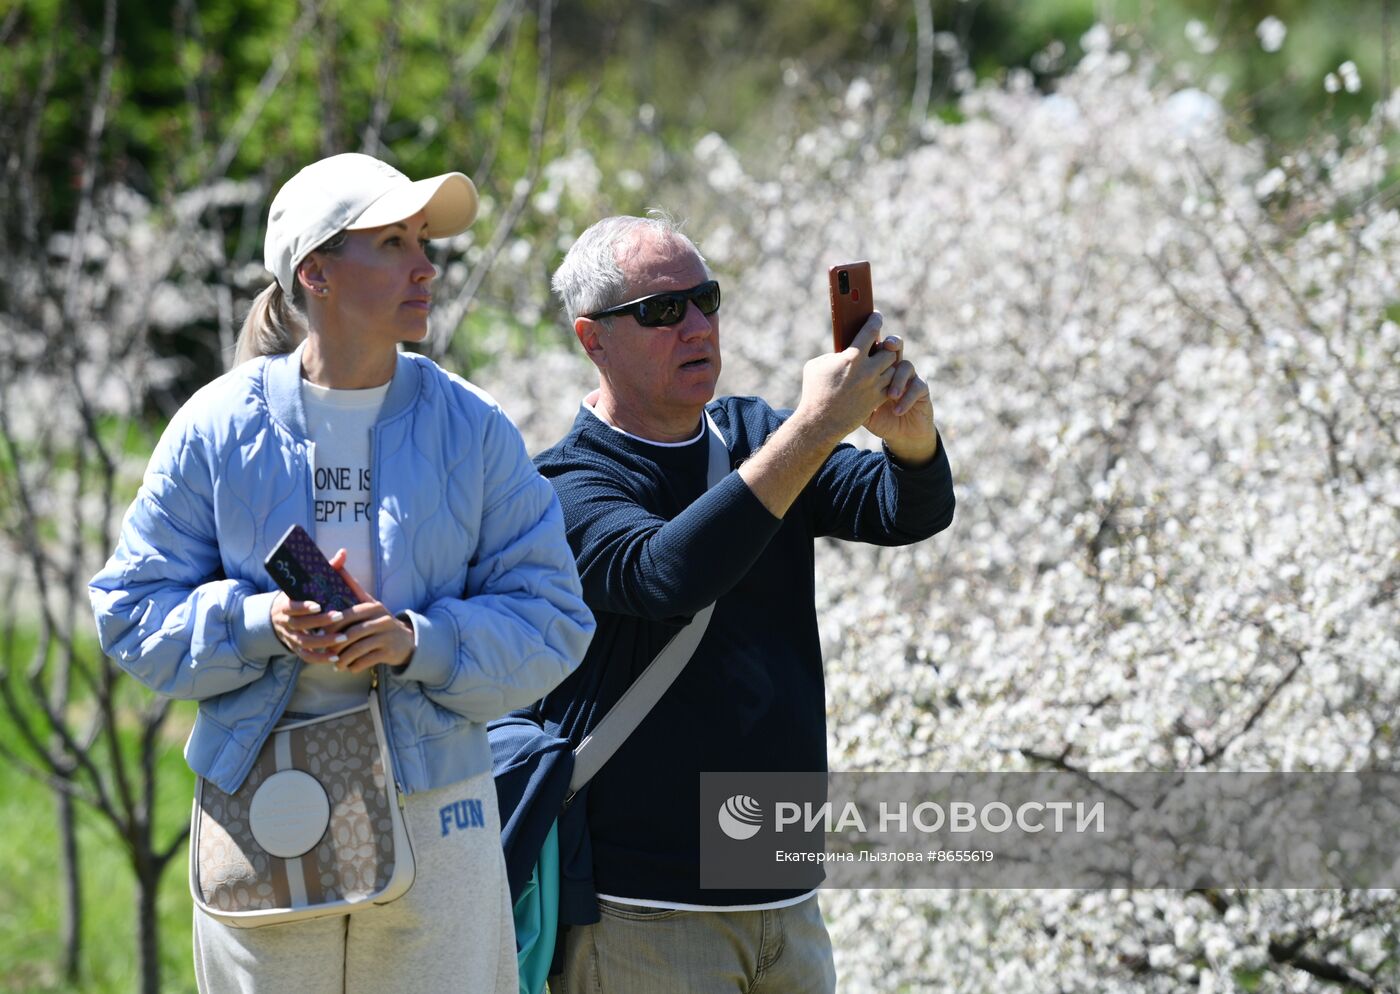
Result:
638,700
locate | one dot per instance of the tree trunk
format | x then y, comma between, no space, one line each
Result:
72,928
148,926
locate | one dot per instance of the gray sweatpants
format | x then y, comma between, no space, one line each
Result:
453,930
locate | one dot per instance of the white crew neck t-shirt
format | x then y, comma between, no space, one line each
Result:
339,423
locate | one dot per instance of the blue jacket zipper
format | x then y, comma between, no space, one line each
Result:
379,592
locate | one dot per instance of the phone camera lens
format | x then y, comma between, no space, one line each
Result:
844,280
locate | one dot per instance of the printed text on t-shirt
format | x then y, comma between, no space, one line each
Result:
343,478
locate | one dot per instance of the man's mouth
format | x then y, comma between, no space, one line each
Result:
696,363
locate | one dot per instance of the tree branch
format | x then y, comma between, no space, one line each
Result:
923,79
370,142
97,124
1289,954
1210,757
457,308
267,86
501,15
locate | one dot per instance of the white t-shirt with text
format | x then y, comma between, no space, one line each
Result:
339,422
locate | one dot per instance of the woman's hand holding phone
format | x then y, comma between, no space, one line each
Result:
353,639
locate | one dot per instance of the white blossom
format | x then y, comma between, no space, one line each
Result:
1350,76
1270,183
1271,32
859,94
1200,37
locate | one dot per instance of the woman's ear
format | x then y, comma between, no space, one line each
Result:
312,276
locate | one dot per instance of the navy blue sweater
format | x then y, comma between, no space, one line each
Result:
654,547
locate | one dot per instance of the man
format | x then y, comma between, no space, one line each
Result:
655,547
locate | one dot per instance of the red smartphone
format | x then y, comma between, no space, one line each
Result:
300,568
851,301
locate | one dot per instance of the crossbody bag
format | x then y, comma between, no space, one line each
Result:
315,829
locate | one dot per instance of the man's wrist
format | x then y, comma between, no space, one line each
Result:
810,431
912,456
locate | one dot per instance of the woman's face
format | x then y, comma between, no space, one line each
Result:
377,283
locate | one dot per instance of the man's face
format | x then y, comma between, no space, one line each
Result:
659,379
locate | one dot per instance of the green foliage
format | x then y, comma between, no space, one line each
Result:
185,73
31,915
30,946
1280,95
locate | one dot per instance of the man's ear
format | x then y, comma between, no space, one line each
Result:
312,276
590,336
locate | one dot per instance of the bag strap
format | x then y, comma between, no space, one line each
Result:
636,703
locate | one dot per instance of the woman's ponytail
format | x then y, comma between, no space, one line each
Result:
273,327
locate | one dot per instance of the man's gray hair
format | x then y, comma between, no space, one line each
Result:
589,279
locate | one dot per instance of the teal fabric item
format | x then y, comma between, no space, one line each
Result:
537,917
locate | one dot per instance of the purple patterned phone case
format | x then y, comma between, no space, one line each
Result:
299,568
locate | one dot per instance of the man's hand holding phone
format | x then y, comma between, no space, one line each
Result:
905,420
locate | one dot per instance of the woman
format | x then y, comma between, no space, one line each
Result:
421,487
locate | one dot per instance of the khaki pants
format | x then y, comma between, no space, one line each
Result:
635,950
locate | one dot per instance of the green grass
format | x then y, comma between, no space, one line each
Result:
31,952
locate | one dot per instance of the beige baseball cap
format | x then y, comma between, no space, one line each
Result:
354,191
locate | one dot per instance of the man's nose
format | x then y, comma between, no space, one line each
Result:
695,324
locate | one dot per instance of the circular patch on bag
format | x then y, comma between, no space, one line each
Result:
289,814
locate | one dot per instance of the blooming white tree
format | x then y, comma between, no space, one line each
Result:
1168,376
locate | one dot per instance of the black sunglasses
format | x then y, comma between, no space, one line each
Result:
661,309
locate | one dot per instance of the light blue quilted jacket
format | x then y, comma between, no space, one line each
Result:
469,542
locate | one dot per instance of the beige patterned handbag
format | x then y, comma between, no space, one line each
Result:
316,828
